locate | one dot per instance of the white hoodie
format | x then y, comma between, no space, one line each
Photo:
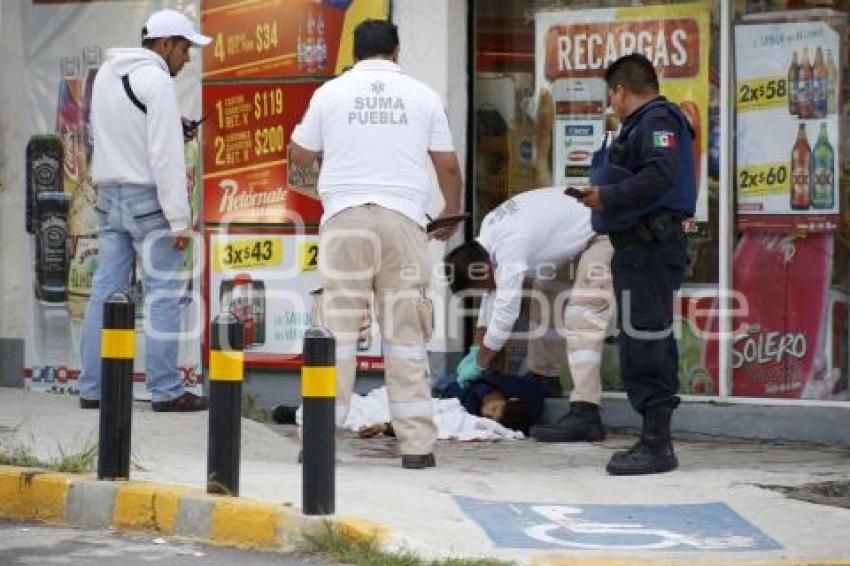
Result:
133,147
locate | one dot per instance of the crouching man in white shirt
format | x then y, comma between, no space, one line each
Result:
537,234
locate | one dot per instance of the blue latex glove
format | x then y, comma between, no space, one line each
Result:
468,369
472,354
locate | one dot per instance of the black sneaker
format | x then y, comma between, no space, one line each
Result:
284,414
89,403
581,424
185,403
551,385
418,461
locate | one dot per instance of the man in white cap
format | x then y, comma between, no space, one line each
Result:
143,206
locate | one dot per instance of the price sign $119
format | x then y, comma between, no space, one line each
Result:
270,139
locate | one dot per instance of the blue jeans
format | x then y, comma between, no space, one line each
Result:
131,222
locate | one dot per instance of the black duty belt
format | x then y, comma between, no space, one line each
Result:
654,228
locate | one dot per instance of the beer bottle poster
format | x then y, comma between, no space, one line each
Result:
787,107
572,50
269,281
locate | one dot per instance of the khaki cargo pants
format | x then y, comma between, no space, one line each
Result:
581,313
372,254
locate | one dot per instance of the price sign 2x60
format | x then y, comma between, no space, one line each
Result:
765,179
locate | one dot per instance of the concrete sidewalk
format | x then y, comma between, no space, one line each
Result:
531,502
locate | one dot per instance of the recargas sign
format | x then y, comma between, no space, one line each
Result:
584,49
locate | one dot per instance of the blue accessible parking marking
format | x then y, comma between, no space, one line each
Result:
690,527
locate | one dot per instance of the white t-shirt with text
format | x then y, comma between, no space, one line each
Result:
375,126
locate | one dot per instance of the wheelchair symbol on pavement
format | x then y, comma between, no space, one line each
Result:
564,527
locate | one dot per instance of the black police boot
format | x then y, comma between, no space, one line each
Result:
551,385
653,453
580,424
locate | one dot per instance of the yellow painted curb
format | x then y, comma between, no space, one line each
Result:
32,494
361,530
145,505
134,506
166,505
246,523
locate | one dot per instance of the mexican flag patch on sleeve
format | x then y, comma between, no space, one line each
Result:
661,138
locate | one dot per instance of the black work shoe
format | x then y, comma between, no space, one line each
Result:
551,385
643,458
580,424
89,403
418,461
183,404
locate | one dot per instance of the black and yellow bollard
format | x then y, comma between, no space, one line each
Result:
226,372
117,350
318,398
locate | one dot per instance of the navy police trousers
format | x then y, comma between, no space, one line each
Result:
646,278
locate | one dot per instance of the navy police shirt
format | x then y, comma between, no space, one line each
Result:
648,168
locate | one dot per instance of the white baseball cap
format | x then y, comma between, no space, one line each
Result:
170,23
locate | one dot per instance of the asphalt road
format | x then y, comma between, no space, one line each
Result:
36,545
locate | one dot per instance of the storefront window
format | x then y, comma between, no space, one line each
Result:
540,111
539,107
791,166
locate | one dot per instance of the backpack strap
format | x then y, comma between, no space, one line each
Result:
125,80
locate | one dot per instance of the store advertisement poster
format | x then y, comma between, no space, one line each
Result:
282,38
788,92
691,326
838,346
64,47
574,47
783,344
694,318
245,140
266,280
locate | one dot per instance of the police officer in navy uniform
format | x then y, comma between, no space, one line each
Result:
642,185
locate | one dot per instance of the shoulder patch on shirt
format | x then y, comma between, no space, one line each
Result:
663,138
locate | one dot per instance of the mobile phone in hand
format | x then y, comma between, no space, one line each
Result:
190,125
574,192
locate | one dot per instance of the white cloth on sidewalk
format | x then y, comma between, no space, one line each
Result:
452,420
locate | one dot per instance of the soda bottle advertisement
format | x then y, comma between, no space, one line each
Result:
270,282
572,49
787,81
